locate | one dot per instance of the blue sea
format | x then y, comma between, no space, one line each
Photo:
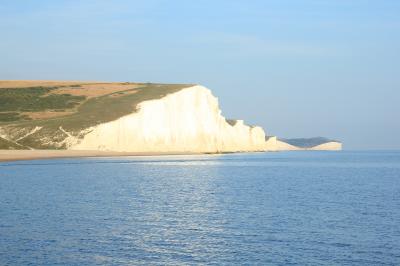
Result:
286,208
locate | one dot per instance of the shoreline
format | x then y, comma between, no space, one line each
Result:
22,155
29,155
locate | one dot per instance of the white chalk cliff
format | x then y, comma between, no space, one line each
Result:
185,121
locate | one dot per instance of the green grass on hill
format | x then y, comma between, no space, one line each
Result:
8,145
91,112
34,99
107,108
12,116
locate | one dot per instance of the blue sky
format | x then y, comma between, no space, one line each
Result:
298,68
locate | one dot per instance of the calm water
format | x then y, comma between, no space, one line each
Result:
306,208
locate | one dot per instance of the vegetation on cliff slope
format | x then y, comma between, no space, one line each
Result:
41,117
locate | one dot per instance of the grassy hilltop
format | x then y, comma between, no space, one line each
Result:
41,114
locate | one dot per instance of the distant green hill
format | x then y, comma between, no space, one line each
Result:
308,142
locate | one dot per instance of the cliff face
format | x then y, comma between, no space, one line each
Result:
130,117
186,121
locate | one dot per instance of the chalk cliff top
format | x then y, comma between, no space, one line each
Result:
78,104
73,104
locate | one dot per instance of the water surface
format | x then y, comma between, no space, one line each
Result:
306,208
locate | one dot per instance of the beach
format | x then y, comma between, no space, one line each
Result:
17,155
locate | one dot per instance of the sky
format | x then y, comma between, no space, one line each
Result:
298,68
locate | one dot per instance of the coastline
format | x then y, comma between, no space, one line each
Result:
21,155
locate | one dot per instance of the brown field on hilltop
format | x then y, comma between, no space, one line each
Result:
35,83
95,89
87,90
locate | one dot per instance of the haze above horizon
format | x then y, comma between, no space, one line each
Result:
297,68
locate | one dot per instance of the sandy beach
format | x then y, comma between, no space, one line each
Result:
17,155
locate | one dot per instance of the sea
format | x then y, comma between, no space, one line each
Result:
283,208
